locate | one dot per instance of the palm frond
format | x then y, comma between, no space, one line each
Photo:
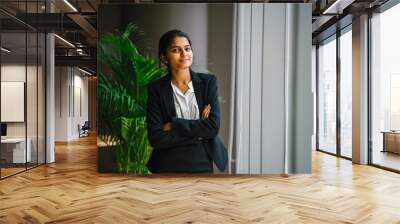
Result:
122,96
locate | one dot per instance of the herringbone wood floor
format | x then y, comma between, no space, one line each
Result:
71,191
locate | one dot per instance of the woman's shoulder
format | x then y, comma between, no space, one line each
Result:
206,76
158,82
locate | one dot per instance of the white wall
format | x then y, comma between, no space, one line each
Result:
190,18
33,127
80,100
61,103
70,84
15,72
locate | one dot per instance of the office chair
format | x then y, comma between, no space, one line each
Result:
84,130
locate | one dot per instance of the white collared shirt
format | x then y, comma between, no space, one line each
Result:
185,103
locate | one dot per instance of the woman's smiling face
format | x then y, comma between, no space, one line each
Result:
179,54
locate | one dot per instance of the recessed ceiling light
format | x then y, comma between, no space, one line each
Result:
84,71
337,7
64,40
70,5
5,50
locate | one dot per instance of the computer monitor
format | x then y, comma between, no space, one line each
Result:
3,129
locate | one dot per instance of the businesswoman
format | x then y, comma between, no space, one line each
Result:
183,113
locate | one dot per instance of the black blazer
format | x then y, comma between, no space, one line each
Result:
161,109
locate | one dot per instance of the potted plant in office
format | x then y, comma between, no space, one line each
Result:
122,93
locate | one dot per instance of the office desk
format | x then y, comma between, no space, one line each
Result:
391,141
15,148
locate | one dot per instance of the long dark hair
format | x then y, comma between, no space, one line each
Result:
165,42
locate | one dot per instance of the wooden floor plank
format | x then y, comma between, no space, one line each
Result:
71,191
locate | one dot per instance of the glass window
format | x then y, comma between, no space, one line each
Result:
314,84
385,88
346,94
327,96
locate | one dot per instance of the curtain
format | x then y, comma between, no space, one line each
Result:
272,101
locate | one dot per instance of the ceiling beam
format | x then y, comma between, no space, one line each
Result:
82,61
337,7
84,24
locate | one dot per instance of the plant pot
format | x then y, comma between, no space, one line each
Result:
107,159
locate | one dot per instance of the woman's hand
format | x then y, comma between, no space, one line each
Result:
206,112
204,115
167,126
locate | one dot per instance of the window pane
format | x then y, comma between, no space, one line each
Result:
327,97
385,83
346,94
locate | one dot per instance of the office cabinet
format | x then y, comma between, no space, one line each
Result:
391,142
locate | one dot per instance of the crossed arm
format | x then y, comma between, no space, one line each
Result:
204,115
180,131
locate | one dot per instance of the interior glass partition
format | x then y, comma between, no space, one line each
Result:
22,77
15,150
32,96
41,91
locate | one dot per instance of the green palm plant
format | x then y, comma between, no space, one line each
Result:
122,96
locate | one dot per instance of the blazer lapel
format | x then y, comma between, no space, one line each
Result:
199,91
168,96
198,87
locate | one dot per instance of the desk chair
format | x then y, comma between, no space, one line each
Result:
84,130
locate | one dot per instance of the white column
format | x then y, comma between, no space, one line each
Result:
273,89
300,111
50,93
242,62
50,105
360,90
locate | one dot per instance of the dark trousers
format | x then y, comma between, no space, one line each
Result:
184,159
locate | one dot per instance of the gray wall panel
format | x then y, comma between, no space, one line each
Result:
243,83
255,88
302,92
278,37
220,24
273,89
